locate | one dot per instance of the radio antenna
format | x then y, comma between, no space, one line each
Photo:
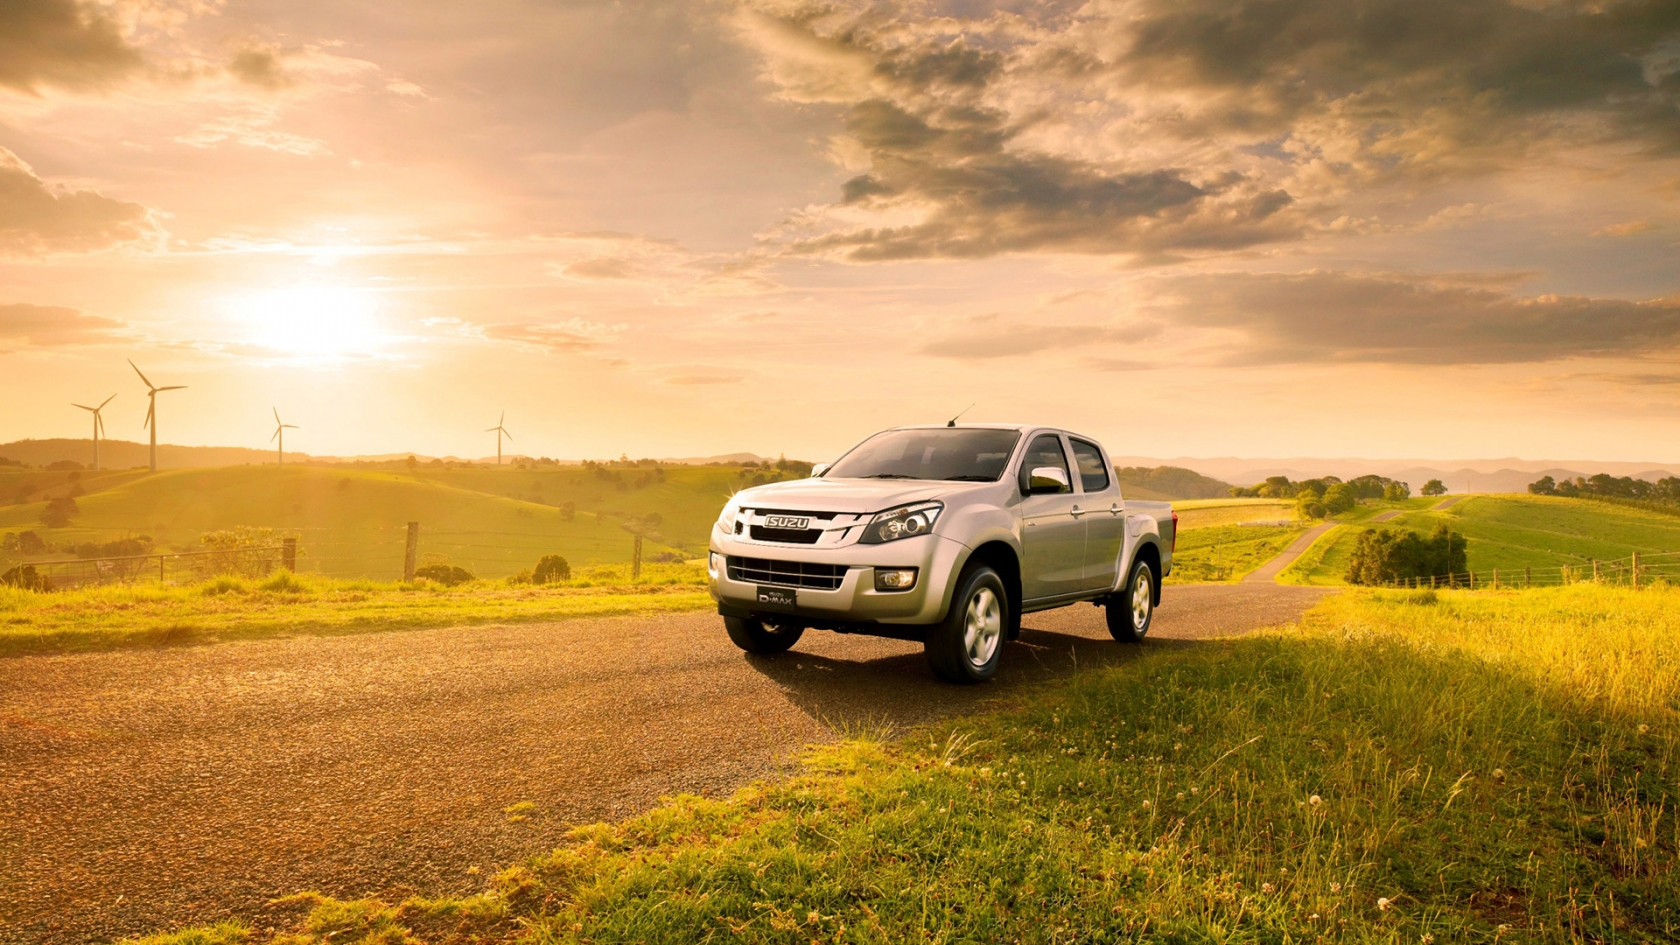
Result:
953,421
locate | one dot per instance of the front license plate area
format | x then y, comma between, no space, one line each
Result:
778,596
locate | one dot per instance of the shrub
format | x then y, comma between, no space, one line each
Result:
551,568
26,577
1390,556
568,512
58,512
1397,491
446,574
23,543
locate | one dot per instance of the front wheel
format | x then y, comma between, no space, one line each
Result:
965,647
757,636
1130,614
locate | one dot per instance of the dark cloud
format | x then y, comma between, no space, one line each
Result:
1468,71
61,43
48,326
1336,316
36,219
259,67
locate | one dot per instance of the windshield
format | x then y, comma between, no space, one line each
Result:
952,454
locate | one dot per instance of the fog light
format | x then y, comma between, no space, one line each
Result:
714,563
895,579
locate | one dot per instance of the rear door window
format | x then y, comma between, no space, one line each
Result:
1093,472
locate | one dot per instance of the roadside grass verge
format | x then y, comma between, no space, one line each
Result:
1196,514
1226,553
232,608
1402,767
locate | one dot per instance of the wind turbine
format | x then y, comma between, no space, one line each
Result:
500,432
280,434
151,410
98,427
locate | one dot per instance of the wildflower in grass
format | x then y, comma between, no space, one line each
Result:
1427,939
1267,887
1181,795
1499,774
1146,803
1335,887
1315,800
1644,728
1384,904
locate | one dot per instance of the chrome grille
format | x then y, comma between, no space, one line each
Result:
794,536
826,577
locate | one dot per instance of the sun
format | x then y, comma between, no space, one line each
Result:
312,322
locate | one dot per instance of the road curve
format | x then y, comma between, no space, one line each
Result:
143,790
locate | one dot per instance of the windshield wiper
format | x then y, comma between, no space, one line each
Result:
891,476
971,479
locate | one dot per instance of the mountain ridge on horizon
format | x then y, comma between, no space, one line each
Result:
1507,474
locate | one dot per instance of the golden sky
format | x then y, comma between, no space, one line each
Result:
1425,228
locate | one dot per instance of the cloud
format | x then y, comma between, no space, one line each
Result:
254,129
988,337
1168,129
600,267
573,336
1631,228
36,219
260,67
1322,316
62,43
53,326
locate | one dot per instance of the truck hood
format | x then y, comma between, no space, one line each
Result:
848,495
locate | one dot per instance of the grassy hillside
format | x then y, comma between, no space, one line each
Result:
1228,552
351,522
1402,768
1169,482
1213,513
1511,532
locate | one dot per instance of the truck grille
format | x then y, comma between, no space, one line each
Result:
826,577
796,536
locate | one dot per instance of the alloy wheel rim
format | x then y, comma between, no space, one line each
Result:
982,627
1142,599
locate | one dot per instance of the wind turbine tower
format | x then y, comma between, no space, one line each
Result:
98,428
500,432
151,410
280,435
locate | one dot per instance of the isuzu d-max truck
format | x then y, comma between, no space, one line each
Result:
944,535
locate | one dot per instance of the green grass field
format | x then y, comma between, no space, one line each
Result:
351,522
1213,513
231,608
1225,553
1403,767
1511,532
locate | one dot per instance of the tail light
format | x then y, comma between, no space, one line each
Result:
1173,545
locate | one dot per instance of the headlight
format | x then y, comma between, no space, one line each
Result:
906,522
726,519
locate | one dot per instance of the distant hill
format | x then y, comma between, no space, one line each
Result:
1460,476
1169,482
125,454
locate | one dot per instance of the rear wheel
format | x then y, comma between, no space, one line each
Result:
1130,613
965,647
759,636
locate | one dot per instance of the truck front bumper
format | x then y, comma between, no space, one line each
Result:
734,562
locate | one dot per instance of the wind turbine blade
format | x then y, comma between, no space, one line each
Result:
93,409
108,400
290,426
276,414
99,424
276,433
507,434
503,419
149,411
492,429
176,387
142,375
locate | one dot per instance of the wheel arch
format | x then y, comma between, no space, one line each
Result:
1001,557
1149,551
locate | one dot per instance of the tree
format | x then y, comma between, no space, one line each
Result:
551,568
58,512
1434,487
1392,556
1545,485
1397,491
26,577
448,575
411,462
1340,497
568,512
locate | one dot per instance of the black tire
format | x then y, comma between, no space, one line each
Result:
1131,612
757,636
966,646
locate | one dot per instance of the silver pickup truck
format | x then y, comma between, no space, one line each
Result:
945,535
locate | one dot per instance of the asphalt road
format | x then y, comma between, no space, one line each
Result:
144,790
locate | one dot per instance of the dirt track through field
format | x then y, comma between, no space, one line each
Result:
144,790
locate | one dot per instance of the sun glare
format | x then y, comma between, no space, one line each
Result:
315,322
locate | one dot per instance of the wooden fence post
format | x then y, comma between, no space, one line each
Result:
1595,570
288,554
1496,579
636,560
1434,581
1528,577
160,569
411,552
1636,570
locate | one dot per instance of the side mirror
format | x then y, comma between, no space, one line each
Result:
1047,479
819,469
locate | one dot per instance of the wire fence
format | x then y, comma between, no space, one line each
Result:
1636,570
163,568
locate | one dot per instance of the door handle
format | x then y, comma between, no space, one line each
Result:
1076,511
